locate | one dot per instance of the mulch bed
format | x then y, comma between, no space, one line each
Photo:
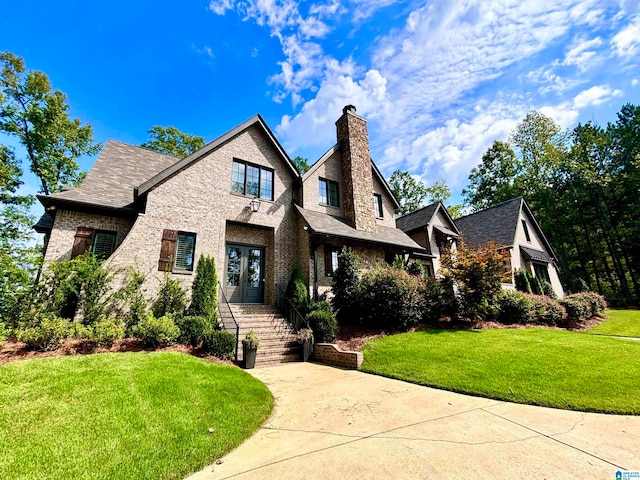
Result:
13,350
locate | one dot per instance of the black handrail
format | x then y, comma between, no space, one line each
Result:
296,319
229,328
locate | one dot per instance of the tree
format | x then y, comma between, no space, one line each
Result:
408,190
492,181
38,117
172,141
204,293
302,164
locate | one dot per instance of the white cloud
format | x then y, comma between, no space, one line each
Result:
220,7
583,54
626,43
594,96
366,8
549,81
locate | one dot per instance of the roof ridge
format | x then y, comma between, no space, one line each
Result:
142,148
491,207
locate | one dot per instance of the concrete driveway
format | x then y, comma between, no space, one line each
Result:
337,424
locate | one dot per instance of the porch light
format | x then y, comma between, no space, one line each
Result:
255,204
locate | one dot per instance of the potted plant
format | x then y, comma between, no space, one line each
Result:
305,337
250,344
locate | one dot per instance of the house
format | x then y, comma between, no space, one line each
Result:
513,225
239,199
432,228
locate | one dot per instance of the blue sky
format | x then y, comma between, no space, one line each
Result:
438,81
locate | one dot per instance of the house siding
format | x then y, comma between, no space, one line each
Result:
198,199
331,170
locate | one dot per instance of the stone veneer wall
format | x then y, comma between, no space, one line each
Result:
331,354
198,200
64,231
356,170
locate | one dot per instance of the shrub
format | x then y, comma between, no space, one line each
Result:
220,344
4,332
321,305
193,329
171,298
415,269
204,296
105,331
536,286
521,280
478,275
251,340
77,286
576,309
546,310
46,331
596,303
153,331
547,289
132,299
390,298
324,325
514,307
439,299
346,281
297,290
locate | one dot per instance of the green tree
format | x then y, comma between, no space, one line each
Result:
302,164
204,296
38,117
410,192
172,141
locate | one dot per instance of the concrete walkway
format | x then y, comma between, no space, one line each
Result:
337,424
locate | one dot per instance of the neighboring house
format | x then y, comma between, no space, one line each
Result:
238,199
433,228
513,225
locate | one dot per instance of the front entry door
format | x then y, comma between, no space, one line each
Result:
245,273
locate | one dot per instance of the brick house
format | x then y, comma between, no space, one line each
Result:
239,199
513,225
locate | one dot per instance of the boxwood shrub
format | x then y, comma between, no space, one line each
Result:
194,329
220,344
324,325
154,331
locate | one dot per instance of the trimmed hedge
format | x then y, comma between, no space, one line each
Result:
194,329
220,344
154,331
46,331
324,325
582,306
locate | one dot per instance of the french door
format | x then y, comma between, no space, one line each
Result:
244,270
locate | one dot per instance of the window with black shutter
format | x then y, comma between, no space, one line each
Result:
177,251
104,243
82,241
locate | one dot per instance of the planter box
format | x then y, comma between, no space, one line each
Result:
249,355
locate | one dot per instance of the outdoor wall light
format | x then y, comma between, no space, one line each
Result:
255,204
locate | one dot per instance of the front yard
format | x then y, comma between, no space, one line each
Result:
623,323
124,415
552,368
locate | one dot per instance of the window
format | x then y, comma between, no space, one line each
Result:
377,205
251,180
104,243
541,271
330,260
526,230
328,192
177,251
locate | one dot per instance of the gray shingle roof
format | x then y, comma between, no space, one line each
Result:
328,225
534,254
110,183
418,219
497,223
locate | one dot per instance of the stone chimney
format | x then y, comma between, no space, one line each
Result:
356,170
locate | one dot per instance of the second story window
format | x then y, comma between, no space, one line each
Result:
328,192
526,230
377,205
252,180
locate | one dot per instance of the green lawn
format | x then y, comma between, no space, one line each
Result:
537,366
123,416
625,323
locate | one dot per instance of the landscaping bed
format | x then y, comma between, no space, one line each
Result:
128,415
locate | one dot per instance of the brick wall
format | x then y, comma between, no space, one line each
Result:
64,230
331,354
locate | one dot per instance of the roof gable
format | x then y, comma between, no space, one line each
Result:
497,223
211,146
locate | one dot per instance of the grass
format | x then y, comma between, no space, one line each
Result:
552,368
124,415
624,323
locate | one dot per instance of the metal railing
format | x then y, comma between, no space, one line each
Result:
296,319
225,314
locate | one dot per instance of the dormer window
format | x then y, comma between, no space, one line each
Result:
328,192
526,231
377,205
